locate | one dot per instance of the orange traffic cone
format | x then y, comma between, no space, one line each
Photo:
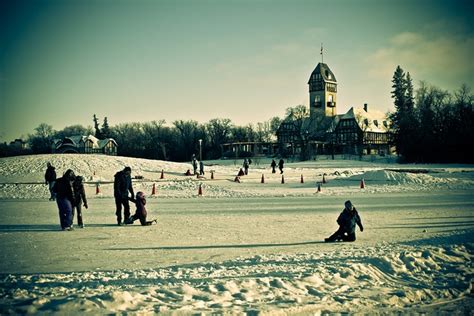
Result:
324,179
237,179
162,174
212,174
97,188
319,188
362,184
263,179
302,181
153,190
200,189
282,179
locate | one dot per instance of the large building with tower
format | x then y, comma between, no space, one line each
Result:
359,131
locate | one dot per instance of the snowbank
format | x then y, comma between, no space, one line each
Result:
392,277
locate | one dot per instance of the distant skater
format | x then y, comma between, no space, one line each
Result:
347,221
246,166
122,186
50,179
273,165
194,163
65,198
201,168
79,200
140,212
280,165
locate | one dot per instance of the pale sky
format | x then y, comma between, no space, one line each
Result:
63,61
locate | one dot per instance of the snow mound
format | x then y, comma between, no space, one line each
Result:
395,177
345,280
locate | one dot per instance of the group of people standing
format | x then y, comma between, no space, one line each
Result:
69,194
195,163
280,165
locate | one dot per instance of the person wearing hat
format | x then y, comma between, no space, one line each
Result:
80,199
122,186
347,221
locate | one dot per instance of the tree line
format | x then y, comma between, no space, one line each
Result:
156,139
431,124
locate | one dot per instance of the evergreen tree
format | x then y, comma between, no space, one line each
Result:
402,94
105,132
98,132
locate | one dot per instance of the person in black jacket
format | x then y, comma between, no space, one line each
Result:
280,165
65,198
122,186
79,199
347,221
50,179
273,165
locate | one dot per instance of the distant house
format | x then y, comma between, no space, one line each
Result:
85,145
18,144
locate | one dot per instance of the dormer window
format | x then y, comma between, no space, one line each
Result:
366,122
385,123
376,123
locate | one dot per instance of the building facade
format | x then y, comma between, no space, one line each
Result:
359,131
85,145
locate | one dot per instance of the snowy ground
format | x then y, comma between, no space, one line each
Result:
241,247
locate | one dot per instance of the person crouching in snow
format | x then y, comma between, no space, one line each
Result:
80,198
347,221
140,213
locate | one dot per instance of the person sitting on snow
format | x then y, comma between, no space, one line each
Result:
140,213
347,221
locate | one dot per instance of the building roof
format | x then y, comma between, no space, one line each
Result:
326,73
369,121
77,139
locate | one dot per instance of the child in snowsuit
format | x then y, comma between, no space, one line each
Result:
347,221
79,199
140,213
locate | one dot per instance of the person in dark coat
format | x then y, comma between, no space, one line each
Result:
273,165
141,212
50,179
246,166
122,186
79,199
201,168
347,221
65,198
280,165
194,163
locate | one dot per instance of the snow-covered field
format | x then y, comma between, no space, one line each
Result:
246,247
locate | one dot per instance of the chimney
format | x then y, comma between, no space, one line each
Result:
365,107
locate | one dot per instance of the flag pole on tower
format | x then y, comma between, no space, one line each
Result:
322,56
